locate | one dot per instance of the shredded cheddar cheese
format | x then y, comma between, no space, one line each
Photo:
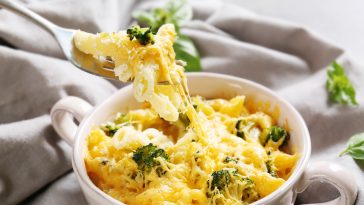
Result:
180,150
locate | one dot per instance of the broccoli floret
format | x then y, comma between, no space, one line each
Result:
276,135
122,118
240,188
143,35
230,159
239,127
104,162
271,169
110,128
195,106
145,157
184,119
249,193
221,179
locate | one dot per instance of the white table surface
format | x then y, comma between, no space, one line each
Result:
339,21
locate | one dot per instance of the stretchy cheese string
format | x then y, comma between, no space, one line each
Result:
128,57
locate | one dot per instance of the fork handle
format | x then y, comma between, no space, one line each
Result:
27,13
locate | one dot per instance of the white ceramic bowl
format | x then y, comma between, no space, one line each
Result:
208,85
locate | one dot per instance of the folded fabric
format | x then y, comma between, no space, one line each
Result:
35,163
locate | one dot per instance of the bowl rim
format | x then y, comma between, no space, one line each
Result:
83,178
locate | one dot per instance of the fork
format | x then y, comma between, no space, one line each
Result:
64,36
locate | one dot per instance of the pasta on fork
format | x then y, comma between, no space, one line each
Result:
179,149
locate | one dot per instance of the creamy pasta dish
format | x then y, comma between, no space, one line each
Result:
178,149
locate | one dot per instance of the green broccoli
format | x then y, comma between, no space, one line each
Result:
239,126
145,157
271,169
143,35
184,119
249,193
276,135
231,159
221,179
110,128
195,106
122,118
239,187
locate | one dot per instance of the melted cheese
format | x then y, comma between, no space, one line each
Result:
191,162
195,151
148,66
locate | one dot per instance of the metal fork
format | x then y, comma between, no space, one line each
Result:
64,36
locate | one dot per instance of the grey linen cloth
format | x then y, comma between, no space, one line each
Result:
35,163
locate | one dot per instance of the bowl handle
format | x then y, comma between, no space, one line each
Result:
333,174
63,114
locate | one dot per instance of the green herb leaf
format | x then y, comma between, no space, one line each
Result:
180,10
339,86
185,50
176,12
355,147
144,17
154,19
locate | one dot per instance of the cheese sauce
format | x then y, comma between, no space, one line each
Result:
179,149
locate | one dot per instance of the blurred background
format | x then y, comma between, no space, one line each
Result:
35,76
338,21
